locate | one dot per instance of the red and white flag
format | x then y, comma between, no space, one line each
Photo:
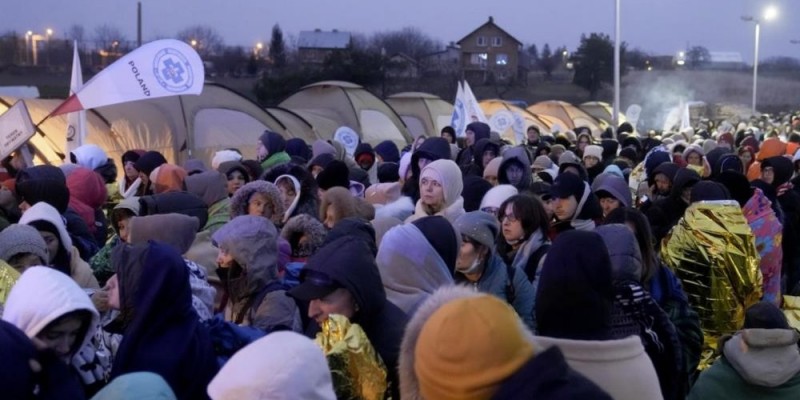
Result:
76,122
157,69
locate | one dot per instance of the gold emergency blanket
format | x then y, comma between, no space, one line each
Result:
712,251
8,277
357,370
791,309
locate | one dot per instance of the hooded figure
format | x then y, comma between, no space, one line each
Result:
211,187
485,151
272,150
576,206
475,131
345,266
475,188
46,219
146,163
759,362
135,386
665,213
440,185
87,197
636,313
295,369
614,188
388,152
432,149
20,380
267,192
338,203
179,231
168,178
411,268
161,331
661,182
789,200
515,169
574,305
43,300
130,185
302,183
255,295
236,175
490,354
492,170
45,183
94,158
305,235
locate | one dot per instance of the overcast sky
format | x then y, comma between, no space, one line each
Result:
658,26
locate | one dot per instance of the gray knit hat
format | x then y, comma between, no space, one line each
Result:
19,239
479,226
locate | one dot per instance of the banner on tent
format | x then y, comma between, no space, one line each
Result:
160,68
16,128
348,138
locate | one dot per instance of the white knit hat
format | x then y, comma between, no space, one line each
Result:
495,197
593,150
448,174
224,156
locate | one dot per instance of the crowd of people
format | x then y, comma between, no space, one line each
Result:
586,265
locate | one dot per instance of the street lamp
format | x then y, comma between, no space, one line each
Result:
769,13
28,41
193,43
49,33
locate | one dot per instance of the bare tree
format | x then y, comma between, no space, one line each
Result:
107,36
76,33
205,39
409,40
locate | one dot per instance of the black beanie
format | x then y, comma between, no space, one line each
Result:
388,172
442,237
709,191
335,174
765,315
475,188
149,161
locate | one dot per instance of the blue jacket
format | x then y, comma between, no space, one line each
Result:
495,281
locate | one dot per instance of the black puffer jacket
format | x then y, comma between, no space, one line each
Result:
665,213
175,202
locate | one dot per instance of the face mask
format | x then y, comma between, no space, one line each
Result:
473,268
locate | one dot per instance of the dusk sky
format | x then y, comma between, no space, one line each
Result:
657,26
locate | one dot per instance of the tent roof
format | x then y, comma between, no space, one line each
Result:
423,113
571,115
350,105
510,121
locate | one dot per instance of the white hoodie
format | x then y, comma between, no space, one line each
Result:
41,296
283,365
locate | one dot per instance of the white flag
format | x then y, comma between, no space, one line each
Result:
685,117
474,110
157,69
76,121
459,119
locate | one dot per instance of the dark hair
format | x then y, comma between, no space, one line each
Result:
535,128
643,234
529,211
449,129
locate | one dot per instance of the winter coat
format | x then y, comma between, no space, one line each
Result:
295,369
789,201
43,295
768,232
161,331
178,231
665,213
174,202
78,269
211,186
620,367
410,268
518,155
548,376
252,241
756,364
349,261
495,280
101,262
475,168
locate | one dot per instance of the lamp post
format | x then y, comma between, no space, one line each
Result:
259,49
49,33
616,63
770,13
28,41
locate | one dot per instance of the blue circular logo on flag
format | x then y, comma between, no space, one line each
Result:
173,71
